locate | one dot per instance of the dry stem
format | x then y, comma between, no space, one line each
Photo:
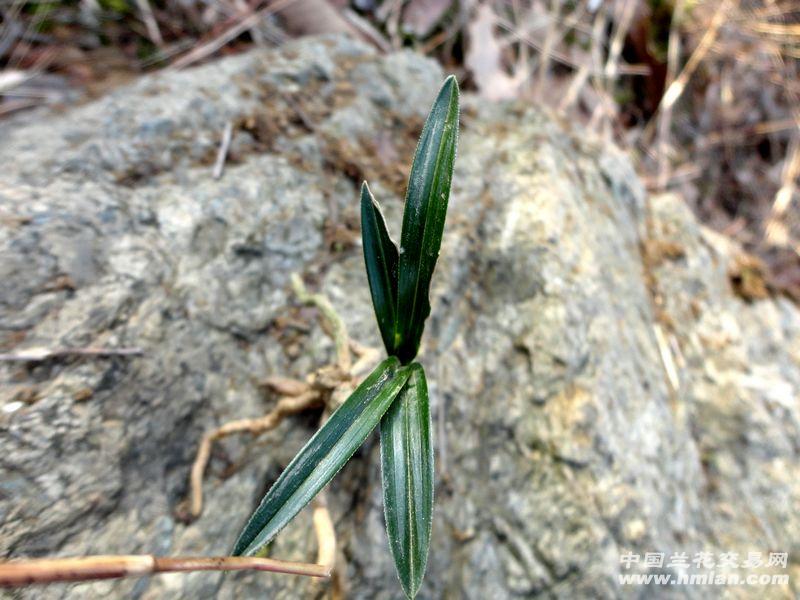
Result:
51,570
41,354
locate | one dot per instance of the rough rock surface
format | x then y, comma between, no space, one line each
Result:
597,386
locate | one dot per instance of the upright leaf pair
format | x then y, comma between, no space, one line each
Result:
399,280
396,393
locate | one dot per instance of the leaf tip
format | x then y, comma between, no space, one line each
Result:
366,194
450,85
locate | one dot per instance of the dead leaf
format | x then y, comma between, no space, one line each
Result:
420,17
485,58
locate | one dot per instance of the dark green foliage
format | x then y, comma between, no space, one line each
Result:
394,395
322,457
423,219
381,257
407,468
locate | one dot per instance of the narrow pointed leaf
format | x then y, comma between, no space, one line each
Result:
407,469
424,215
322,457
380,256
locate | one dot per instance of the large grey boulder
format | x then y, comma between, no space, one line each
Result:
597,386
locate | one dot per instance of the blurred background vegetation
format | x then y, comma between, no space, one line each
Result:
702,93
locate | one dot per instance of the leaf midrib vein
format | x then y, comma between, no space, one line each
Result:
428,212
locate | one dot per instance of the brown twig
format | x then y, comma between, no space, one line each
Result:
50,570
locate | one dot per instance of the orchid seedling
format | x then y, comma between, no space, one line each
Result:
395,394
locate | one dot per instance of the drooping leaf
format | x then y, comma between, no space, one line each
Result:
322,457
424,215
407,469
380,256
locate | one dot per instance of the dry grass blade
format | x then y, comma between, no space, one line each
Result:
665,116
554,54
245,22
150,22
367,29
746,135
621,28
222,154
776,230
782,30
676,88
549,42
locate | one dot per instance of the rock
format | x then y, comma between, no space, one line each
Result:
597,386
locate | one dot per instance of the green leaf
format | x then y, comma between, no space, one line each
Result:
423,219
322,457
407,468
380,256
